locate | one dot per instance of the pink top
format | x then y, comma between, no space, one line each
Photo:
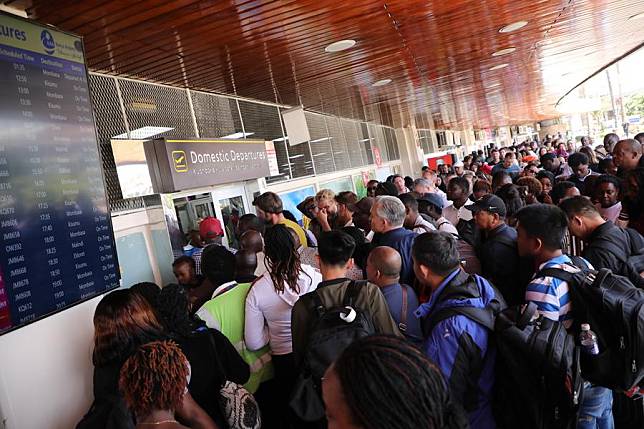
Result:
611,213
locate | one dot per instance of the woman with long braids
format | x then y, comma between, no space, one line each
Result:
154,380
270,302
382,382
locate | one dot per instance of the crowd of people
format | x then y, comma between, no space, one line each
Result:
364,314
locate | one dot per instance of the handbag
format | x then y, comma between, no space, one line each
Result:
238,405
305,400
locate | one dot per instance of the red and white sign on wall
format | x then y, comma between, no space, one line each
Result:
365,177
376,156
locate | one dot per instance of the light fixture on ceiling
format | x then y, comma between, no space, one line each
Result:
143,133
381,82
636,16
499,66
504,51
340,45
237,135
513,27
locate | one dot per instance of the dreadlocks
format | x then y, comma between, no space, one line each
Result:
390,384
282,258
154,378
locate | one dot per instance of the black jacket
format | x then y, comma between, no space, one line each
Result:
500,262
610,247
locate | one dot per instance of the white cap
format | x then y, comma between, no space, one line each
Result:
459,164
585,327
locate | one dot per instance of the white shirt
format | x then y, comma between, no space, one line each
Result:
268,313
453,214
419,228
445,226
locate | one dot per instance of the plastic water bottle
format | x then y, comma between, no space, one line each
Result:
588,340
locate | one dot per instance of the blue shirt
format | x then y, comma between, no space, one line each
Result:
393,296
552,294
510,170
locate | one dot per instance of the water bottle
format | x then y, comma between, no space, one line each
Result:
588,340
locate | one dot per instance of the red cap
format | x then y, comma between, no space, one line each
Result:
210,228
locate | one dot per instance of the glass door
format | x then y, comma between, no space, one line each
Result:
231,203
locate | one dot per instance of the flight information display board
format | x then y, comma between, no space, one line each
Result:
57,246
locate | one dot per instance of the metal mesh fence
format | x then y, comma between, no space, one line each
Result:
129,109
216,116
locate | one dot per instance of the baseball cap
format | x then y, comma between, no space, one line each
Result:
459,164
489,203
305,206
210,228
433,199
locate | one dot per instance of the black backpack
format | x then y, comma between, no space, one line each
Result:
333,330
631,255
614,309
538,381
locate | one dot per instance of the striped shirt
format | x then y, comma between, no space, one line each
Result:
550,294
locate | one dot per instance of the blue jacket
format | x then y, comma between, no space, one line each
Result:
402,240
459,346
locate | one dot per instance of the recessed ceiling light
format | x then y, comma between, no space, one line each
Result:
340,45
636,16
504,51
499,66
513,27
381,82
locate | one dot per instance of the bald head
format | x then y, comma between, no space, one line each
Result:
627,154
245,263
252,241
383,266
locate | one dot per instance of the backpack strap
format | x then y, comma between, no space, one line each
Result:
318,305
403,315
562,274
352,292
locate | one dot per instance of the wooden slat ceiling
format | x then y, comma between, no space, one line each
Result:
437,53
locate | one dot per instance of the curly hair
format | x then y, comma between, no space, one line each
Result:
173,309
390,384
155,377
123,320
282,258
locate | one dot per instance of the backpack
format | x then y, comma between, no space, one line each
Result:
614,309
469,260
631,255
467,231
333,331
537,371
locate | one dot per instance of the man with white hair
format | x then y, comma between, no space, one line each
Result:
427,185
387,218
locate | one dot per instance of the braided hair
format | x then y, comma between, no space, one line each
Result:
389,384
155,377
282,258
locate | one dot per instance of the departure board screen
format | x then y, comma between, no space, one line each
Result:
56,234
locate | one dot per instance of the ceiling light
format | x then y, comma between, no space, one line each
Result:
504,51
237,135
299,155
320,140
499,66
381,82
143,133
513,27
636,16
340,45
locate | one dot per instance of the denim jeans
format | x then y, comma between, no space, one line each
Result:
596,409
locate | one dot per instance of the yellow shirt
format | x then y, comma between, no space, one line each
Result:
297,228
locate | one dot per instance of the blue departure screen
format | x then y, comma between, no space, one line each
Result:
57,241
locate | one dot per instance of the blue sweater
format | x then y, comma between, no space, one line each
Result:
393,296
